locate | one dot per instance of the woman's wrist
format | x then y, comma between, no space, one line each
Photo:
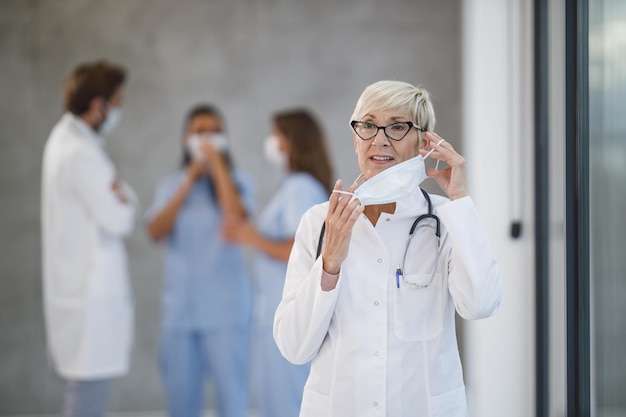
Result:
329,281
329,268
188,183
458,196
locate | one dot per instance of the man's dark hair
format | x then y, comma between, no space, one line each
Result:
91,80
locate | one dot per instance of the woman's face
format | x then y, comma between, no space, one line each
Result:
202,123
379,153
283,143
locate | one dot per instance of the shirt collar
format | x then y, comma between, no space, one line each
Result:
412,205
83,128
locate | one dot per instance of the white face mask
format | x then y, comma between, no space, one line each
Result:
393,183
111,121
273,154
194,142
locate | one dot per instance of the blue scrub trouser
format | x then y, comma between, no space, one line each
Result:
279,384
86,398
188,356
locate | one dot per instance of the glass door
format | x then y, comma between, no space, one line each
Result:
607,205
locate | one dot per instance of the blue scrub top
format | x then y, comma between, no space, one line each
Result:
206,283
279,221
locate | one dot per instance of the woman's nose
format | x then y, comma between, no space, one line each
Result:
381,139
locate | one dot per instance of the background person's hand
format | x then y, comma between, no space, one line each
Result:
212,155
452,180
195,170
343,212
119,192
237,230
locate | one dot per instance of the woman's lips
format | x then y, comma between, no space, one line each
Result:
381,158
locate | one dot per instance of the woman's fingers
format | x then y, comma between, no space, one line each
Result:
442,150
436,144
334,196
343,211
452,179
340,199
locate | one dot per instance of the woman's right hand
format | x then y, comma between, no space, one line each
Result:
237,230
195,170
343,212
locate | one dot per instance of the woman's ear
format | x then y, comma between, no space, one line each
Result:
423,142
284,145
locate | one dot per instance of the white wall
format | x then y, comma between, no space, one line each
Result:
497,141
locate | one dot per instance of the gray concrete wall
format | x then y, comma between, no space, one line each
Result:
251,58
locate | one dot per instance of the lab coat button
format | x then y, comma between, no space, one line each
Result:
375,403
380,260
376,303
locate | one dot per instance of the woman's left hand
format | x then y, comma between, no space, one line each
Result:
452,180
236,230
211,155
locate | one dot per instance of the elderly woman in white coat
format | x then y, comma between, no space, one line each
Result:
376,273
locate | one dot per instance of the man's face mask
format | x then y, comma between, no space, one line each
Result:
393,183
111,120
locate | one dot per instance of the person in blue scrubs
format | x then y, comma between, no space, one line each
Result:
297,146
207,294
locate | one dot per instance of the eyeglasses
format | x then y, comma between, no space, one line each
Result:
395,131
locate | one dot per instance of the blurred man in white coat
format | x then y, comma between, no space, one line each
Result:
86,213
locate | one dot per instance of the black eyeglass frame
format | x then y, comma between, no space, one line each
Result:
384,128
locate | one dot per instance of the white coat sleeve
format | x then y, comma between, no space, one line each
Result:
474,279
92,176
303,316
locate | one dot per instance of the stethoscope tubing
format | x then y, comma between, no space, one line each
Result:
400,270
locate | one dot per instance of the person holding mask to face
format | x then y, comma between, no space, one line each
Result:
206,296
86,211
377,273
298,148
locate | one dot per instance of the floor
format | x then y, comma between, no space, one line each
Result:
208,413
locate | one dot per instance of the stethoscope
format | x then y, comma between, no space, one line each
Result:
400,268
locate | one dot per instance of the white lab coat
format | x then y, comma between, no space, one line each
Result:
380,350
87,296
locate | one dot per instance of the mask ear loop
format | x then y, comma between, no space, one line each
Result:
347,192
356,181
433,150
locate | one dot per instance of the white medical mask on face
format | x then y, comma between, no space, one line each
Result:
111,120
393,183
194,142
273,154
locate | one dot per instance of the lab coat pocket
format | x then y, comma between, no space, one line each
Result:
418,312
314,403
449,404
109,278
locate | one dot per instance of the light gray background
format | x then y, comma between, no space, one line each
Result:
251,58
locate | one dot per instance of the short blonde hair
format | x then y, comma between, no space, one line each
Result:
397,95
